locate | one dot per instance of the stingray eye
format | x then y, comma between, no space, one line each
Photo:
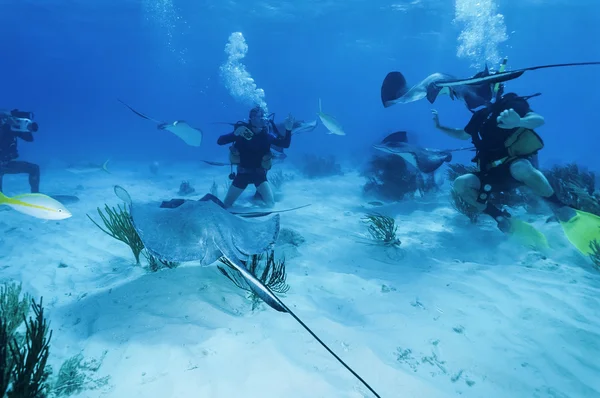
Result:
60,210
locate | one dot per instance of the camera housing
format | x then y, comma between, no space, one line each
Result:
21,122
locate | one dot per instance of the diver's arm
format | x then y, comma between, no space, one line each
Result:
532,121
26,136
226,139
452,132
283,142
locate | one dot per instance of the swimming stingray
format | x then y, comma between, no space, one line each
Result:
474,91
204,230
424,159
190,135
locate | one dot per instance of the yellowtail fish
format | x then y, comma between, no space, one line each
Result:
329,122
36,205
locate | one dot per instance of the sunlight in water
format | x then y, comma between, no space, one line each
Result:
238,81
483,31
163,14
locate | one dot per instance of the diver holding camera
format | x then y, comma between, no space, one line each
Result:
15,125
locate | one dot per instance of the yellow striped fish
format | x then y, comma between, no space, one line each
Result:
36,205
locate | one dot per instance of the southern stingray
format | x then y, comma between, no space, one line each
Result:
424,159
190,135
474,91
204,230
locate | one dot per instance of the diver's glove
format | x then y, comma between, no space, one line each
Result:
509,119
289,122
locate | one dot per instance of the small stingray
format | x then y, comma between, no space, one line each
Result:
204,230
395,90
424,159
190,135
474,91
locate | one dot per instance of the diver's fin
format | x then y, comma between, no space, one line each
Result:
582,230
527,235
140,114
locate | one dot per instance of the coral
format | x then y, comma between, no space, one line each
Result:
390,179
119,225
24,372
315,166
575,187
155,264
290,236
383,229
74,376
185,188
463,207
272,275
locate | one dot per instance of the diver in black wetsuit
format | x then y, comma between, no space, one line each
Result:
16,124
251,152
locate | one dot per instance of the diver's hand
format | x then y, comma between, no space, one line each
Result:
509,119
289,122
436,118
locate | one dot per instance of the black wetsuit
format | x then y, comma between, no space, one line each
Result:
489,139
250,170
8,154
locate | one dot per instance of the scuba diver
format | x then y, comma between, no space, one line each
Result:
251,152
13,125
506,147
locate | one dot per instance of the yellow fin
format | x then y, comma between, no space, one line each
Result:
527,235
582,230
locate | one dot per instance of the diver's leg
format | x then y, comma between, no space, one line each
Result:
20,167
467,187
522,170
239,184
266,194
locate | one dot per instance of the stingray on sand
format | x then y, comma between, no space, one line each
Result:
190,135
204,230
424,159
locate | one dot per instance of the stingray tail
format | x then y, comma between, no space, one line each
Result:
274,302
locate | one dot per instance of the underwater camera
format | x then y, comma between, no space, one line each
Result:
22,122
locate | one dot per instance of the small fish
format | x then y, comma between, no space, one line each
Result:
36,205
89,168
214,163
329,122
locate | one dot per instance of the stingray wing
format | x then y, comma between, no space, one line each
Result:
190,135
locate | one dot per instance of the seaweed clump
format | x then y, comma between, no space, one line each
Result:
389,178
383,229
24,372
23,359
119,226
271,273
575,187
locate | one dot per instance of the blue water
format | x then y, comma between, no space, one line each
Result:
210,61
70,61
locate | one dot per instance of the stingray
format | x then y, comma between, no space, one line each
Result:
190,135
204,230
423,159
474,91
